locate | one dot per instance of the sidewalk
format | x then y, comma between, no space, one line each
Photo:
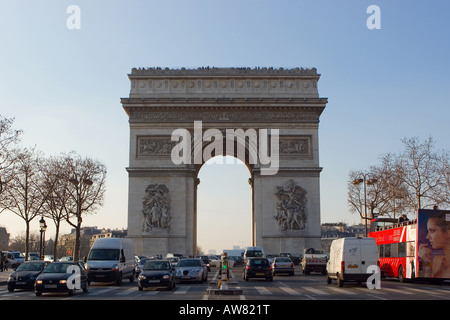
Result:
4,276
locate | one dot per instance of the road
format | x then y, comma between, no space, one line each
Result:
283,287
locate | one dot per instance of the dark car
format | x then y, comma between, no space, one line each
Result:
25,275
157,273
257,268
66,276
206,262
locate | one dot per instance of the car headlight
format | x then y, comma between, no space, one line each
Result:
196,271
62,281
115,267
166,276
38,281
142,277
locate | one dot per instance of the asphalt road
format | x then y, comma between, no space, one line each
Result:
283,287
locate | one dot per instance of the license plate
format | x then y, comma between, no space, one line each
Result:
21,283
185,277
260,273
99,275
353,266
50,286
154,281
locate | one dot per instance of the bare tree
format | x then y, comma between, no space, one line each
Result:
363,194
393,190
425,172
86,191
8,139
55,191
23,196
417,178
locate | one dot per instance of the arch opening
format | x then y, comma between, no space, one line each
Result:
224,205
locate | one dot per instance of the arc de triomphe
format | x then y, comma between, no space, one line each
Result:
180,117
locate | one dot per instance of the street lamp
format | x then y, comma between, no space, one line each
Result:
368,182
42,229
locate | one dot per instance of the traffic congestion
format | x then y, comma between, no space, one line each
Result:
352,262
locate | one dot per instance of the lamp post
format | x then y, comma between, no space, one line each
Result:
42,229
366,181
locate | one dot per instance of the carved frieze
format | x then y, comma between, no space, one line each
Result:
291,207
191,116
295,146
228,81
152,146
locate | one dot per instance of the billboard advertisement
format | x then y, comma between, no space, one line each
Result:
433,239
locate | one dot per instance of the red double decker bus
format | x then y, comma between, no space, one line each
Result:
414,249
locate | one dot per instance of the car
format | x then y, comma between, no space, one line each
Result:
295,259
173,261
157,273
25,275
32,256
237,260
205,260
270,257
63,276
140,265
49,257
214,261
191,269
282,265
13,259
66,258
257,268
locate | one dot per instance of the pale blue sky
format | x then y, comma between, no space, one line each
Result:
64,86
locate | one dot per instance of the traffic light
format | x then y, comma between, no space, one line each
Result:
224,271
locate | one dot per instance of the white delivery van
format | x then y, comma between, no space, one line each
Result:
253,252
111,259
350,258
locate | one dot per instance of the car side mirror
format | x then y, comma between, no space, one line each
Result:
85,259
122,259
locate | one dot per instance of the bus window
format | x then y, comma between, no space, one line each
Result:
394,250
381,250
402,249
387,250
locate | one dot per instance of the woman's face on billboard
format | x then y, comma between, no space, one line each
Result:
438,238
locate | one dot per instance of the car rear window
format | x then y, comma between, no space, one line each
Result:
259,262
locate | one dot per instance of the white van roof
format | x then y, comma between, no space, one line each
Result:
106,243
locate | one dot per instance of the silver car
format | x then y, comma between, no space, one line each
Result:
282,265
191,270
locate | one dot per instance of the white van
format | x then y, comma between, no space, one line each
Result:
350,258
251,252
111,259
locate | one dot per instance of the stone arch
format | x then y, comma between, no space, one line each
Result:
281,103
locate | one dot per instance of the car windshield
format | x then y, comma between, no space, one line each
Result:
32,266
57,268
104,254
17,255
142,261
189,263
157,265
